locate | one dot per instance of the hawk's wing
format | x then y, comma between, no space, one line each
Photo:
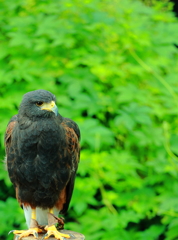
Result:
7,142
7,139
9,130
73,137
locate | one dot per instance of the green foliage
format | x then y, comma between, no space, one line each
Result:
113,68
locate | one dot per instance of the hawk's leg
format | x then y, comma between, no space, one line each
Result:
33,230
51,228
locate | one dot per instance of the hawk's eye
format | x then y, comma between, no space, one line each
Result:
39,103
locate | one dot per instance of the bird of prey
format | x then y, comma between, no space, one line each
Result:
42,154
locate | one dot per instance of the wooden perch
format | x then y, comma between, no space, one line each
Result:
73,235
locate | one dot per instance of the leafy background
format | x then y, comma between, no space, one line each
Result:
113,66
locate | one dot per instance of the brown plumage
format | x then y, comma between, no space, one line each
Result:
42,151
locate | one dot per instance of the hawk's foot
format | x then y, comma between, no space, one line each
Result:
52,231
25,233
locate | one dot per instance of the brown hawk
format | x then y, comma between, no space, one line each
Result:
42,152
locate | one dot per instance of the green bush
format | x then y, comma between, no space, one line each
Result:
113,68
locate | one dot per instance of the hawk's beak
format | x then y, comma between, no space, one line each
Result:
50,106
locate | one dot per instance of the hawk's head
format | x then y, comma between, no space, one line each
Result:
39,103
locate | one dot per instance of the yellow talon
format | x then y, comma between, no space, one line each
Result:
53,231
26,233
33,230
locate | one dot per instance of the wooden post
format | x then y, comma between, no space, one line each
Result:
73,235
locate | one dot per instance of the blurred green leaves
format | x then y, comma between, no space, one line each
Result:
113,68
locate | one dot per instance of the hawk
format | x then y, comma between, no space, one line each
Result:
42,154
